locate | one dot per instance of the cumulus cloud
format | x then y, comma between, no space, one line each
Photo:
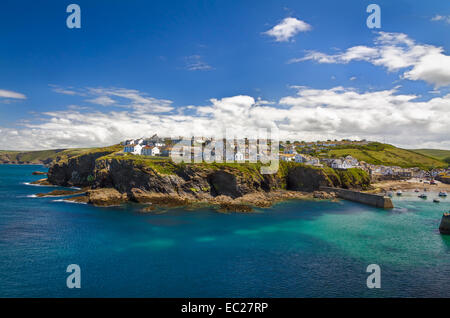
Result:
287,29
310,114
10,94
395,51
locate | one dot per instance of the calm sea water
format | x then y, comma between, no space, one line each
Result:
294,249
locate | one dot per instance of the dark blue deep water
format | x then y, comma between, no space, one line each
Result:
295,249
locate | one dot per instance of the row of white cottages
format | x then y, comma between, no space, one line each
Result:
344,163
139,149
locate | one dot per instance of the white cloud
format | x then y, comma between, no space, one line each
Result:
123,97
65,91
195,63
445,18
102,100
10,94
135,99
287,29
311,114
395,51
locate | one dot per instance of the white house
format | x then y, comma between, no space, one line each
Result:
336,164
352,161
128,148
150,151
341,164
134,149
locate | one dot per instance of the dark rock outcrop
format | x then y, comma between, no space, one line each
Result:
59,193
75,171
301,178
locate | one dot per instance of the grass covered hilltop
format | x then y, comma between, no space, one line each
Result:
384,154
443,155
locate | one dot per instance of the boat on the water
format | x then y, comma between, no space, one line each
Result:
436,200
417,190
399,192
442,194
423,196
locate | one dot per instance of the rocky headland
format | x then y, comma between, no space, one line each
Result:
111,179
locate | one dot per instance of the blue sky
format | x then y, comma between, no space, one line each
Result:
202,58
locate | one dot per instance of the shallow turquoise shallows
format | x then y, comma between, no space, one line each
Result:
294,249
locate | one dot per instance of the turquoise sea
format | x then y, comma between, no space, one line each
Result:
294,249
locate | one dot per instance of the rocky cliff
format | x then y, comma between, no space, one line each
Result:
77,171
144,179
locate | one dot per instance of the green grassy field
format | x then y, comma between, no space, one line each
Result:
434,153
384,154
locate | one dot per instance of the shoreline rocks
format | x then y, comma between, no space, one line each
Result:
36,173
43,182
60,193
106,197
233,207
79,199
324,195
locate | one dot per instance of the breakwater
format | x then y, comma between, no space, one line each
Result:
376,200
444,227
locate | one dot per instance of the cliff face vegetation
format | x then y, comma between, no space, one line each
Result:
144,179
354,179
